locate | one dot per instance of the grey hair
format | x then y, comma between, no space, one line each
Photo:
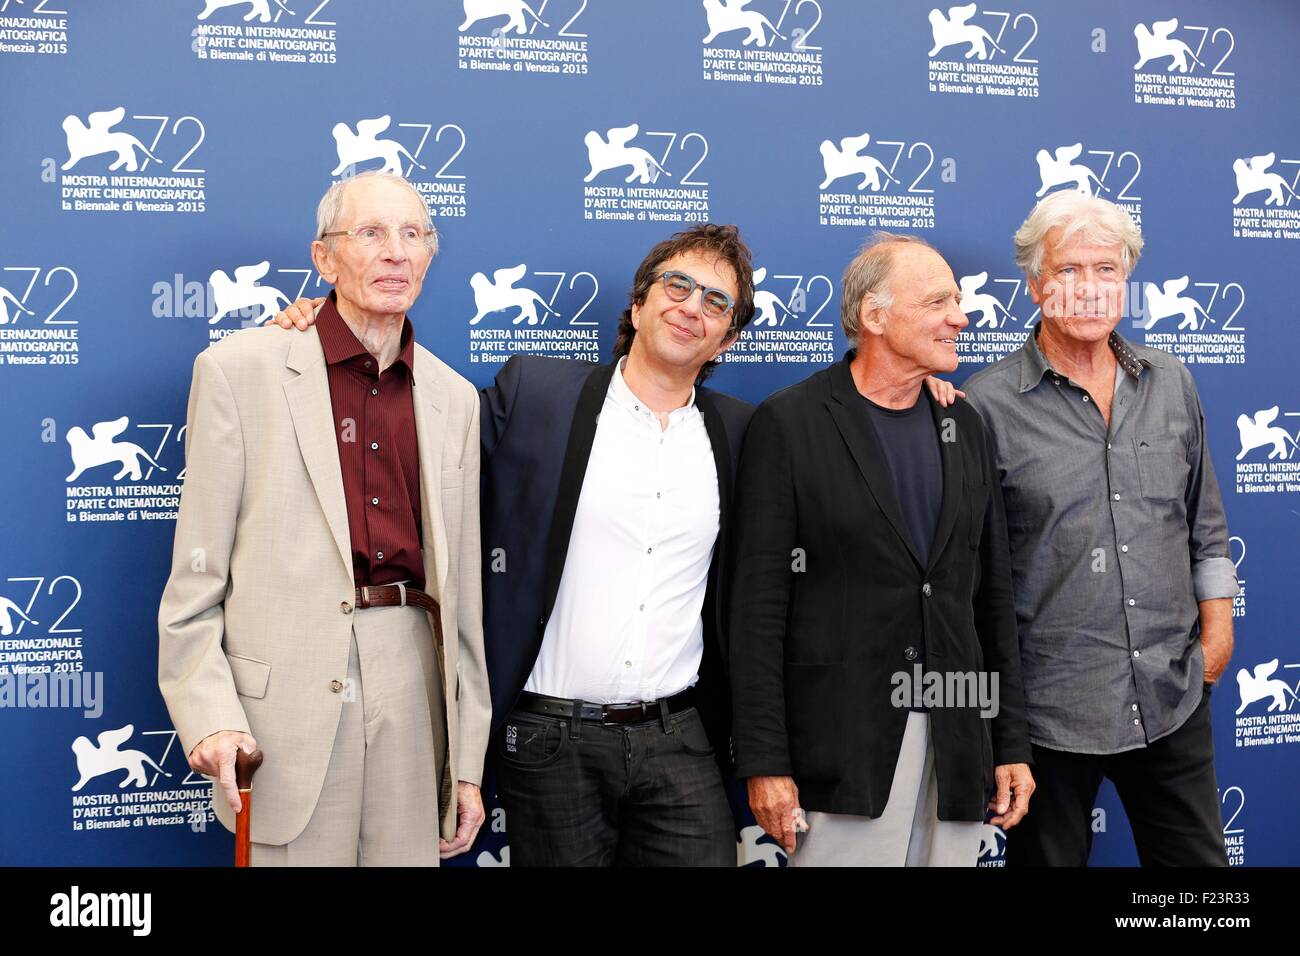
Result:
1092,218
867,276
331,204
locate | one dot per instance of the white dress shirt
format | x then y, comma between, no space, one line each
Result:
626,624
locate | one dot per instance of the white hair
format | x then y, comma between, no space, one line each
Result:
331,204
867,276
1093,219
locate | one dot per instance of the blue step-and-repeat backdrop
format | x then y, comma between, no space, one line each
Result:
160,169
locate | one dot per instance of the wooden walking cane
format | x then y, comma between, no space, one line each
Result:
245,766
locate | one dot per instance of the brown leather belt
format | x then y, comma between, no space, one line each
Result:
395,595
399,595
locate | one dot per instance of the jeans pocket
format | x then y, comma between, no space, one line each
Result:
689,730
529,741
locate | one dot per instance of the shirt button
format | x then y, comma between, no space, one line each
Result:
345,607
909,654
1137,653
1117,496
641,608
367,365
648,550
1135,706
375,501
1136,722
636,408
379,555
374,391
627,663
374,446
926,589
1131,602
336,685
1124,548
1085,398
1108,446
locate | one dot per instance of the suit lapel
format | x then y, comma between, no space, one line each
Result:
429,403
429,399
577,452
313,423
722,463
950,454
851,420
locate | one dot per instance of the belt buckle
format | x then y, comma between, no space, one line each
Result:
365,596
607,717
610,714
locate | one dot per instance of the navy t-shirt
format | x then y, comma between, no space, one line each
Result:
911,448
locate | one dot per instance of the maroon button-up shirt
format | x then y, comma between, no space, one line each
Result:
374,422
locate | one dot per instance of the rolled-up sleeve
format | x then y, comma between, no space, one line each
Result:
1213,573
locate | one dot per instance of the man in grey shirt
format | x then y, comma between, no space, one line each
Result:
1119,547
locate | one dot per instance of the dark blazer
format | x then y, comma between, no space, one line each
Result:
813,648
539,422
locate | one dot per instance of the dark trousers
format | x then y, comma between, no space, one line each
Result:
1167,788
586,794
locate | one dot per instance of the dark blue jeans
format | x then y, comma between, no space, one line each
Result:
587,794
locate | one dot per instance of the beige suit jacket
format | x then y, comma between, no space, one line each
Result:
255,623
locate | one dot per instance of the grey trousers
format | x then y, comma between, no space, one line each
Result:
908,833
379,803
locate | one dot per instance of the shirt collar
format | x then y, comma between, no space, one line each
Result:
624,397
341,344
1035,364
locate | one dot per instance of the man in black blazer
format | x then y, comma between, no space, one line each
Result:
605,510
873,651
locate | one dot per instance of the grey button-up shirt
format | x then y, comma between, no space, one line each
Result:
1115,536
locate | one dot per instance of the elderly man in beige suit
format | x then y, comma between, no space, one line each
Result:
324,602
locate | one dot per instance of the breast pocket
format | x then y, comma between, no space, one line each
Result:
452,479
1162,467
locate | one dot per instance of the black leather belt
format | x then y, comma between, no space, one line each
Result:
633,713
